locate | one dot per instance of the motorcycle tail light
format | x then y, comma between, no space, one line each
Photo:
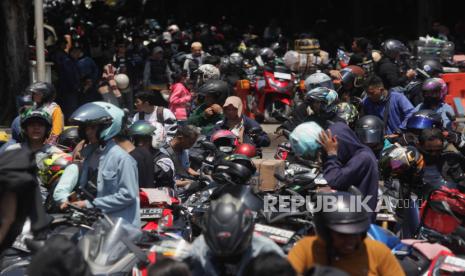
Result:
244,84
302,85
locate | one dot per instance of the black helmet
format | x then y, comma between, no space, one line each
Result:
403,163
266,54
251,52
431,68
47,90
392,48
217,88
370,130
228,227
344,219
234,169
23,100
69,137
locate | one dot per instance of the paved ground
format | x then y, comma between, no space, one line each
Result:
269,152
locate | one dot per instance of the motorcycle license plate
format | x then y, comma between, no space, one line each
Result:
151,213
283,76
453,264
278,235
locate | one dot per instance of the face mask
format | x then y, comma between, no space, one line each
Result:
431,101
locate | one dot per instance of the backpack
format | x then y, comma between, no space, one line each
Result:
160,117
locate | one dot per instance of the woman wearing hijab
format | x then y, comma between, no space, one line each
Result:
246,129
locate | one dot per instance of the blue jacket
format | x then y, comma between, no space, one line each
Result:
400,109
355,164
117,184
443,109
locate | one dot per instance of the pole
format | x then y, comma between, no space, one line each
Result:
40,51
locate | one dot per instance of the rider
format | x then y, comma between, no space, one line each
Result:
206,115
388,68
341,242
117,188
344,157
43,95
434,92
428,68
227,242
370,130
161,170
246,129
320,106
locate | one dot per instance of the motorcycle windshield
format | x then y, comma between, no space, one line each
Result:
104,241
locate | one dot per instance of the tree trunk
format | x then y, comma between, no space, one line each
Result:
14,59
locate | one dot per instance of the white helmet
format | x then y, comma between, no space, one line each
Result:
173,28
209,72
159,135
318,79
122,81
291,60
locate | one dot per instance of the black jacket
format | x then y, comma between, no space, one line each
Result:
389,72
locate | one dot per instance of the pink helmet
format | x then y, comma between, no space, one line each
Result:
224,140
435,88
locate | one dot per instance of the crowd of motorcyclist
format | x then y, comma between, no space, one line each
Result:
113,124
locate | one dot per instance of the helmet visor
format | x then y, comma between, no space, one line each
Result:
370,136
418,122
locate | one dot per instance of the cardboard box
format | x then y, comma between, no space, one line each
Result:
266,168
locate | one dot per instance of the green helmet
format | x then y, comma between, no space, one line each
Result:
39,115
141,128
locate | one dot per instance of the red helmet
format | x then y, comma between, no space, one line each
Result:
224,140
247,150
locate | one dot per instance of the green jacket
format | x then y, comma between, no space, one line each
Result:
198,119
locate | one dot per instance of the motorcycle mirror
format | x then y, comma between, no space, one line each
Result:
442,207
208,145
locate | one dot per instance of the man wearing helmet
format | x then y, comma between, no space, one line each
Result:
35,128
434,92
117,176
428,68
341,241
212,95
388,68
319,105
227,242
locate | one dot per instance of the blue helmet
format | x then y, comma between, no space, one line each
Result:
328,98
109,116
424,119
304,139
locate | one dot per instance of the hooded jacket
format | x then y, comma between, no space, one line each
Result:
355,164
389,72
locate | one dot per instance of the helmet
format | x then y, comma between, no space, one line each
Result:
267,54
24,100
348,112
304,139
45,88
403,162
251,52
435,88
248,150
173,28
278,47
431,68
370,130
217,88
318,79
343,219
154,130
69,137
224,140
236,59
352,76
392,48
208,72
122,81
53,166
110,117
326,96
39,115
424,119
235,169
228,227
